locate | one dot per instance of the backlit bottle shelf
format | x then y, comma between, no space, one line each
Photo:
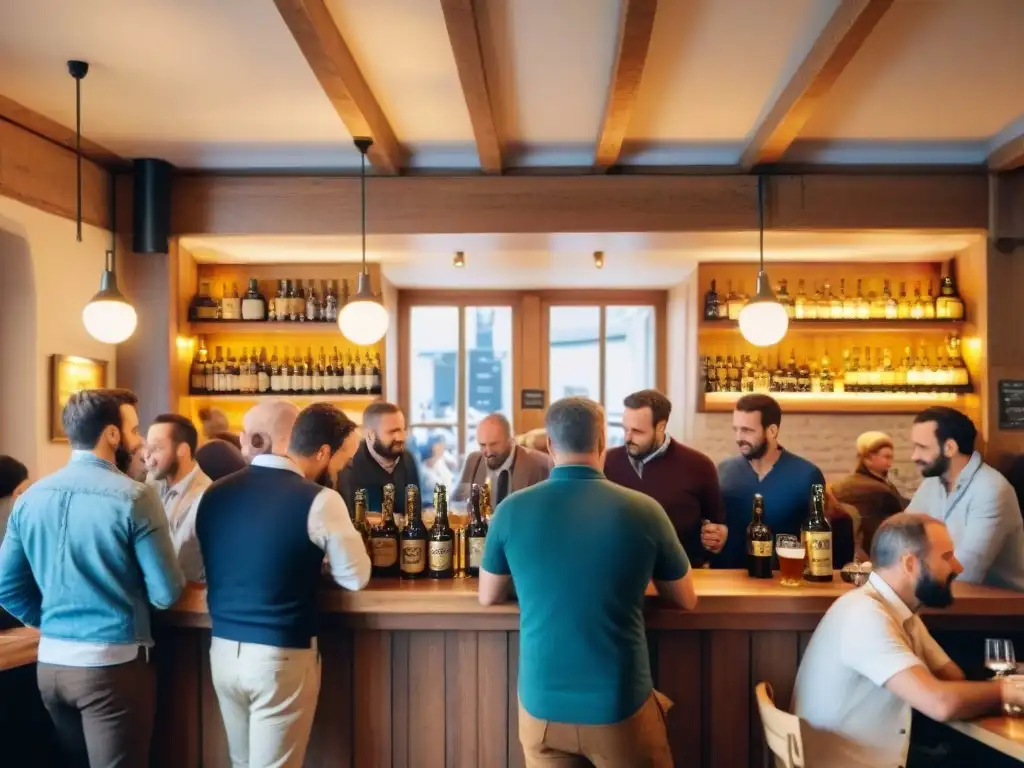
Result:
832,326
838,402
263,327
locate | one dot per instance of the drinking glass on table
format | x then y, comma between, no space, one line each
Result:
1000,659
790,552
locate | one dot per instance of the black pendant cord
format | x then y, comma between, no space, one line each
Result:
113,221
760,216
78,150
362,175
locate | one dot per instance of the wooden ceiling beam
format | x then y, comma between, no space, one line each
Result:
636,23
1008,152
32,121
840,40
463,25
335,68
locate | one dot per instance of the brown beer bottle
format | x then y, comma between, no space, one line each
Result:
441,540
759,543
816,535
477,529
384,538
413,543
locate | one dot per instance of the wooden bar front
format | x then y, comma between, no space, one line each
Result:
419,674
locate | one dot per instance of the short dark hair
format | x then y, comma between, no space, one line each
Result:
319,424
182,430
901,533
950,424
12,474
661,406
767,406
575,425
90,411
374,411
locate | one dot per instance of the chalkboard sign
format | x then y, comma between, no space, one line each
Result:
533,399
1011,404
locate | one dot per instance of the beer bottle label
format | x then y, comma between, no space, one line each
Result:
476,551
385,552
819,553
414,556
761,548
440,555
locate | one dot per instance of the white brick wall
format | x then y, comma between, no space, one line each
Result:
828,441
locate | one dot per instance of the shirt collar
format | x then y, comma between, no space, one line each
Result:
88,457
182,485
507,464
969,471
888,594
659,451
273,461
576,472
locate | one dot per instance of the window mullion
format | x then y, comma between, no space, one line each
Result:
602,344
461,390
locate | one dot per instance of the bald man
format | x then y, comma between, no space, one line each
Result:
267,428
509,466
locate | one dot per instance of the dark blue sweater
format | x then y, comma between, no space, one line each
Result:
787,500
261,568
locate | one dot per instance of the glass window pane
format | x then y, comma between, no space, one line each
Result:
629,359
574,359
436,449
433,364
488,346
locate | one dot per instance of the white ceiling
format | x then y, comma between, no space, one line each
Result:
566,260
222,84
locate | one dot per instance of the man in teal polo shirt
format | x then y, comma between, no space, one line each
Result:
582,551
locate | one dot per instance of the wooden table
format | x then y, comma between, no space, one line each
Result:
1003,734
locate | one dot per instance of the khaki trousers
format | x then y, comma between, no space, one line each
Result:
267,697
639,741
103,715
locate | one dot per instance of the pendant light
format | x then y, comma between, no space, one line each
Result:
763,320
108,317
363,320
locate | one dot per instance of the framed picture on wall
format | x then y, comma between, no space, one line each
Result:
70,374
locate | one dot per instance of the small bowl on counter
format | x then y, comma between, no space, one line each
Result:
856,573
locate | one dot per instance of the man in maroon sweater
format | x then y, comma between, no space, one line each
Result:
682,480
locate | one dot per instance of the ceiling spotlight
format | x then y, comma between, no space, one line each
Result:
599,259
459,259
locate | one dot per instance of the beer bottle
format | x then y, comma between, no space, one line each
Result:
359,520
441,542
476,530
816,535
384,538
759,543
414,537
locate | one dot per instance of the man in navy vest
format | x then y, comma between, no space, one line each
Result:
264,532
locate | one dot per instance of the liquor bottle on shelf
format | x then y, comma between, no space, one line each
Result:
735,302
375,381
312,304
862,305
441,542
903,304
330,304
197,374
959,374
476,531
800,302
299,303
231,373
917,307
384,538
211,376
949,305
339,372
263,373
835,304
414,537
286,372
759,543
929,303
298,373
230,304
783,297
891,305
243,372
848,304
290,302
330,382
359,520
275,372
344,378
711,303
816,535
307,371
219,382
281,306
363,374
254,304
203,306
318,374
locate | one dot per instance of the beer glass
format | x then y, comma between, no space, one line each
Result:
790,552
999,657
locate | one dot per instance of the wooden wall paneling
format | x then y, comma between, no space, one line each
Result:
176,732
371,689
532,363
773,659
462,704
13,112
516,759
214,749
331,742
400,699
427,713
679,664
730,696
493,698
803,640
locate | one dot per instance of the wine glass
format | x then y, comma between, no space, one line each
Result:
999,657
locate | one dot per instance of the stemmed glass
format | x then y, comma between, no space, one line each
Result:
999,657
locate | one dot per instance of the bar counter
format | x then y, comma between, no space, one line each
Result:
420,674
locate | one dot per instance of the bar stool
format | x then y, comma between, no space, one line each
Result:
781,730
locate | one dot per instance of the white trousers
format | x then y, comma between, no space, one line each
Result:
267,698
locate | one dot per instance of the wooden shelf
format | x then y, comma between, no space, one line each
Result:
237,397
215,327
842,402
844,326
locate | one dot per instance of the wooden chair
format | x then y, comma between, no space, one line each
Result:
781,730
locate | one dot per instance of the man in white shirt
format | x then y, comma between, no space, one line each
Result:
170,458
871,659
264,532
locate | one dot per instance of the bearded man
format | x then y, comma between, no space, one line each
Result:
381,459
679,478
502,462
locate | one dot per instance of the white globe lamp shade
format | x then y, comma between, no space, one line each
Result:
363,320
763,321
108,317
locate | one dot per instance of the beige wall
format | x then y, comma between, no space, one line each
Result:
47,277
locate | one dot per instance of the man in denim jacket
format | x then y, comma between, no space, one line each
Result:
86,553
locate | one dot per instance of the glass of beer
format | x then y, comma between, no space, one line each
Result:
791,559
